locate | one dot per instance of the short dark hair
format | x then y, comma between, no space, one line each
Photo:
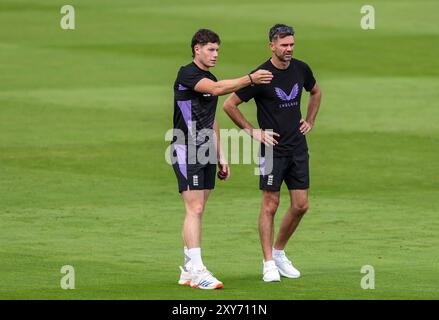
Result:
280,31
203,37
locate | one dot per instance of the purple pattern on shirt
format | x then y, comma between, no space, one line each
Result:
181,158
186,110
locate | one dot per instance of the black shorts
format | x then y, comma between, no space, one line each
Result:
192,176
294,170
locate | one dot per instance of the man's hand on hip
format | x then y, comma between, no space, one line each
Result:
265,136
305,126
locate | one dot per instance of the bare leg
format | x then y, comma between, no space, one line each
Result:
270,202
206,194
290,221
194,201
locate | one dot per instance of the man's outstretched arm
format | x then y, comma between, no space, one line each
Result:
219,88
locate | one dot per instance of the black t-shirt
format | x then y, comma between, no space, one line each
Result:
193,111
278,104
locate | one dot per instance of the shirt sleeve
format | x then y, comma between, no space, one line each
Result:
309,80
247,93
189,78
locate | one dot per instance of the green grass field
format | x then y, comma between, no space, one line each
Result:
83,180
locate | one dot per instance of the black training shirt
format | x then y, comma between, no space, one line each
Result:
278,104
193,111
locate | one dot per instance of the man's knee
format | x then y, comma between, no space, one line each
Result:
194,202
195,209
301,207
270,203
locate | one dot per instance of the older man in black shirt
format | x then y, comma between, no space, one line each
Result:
282,129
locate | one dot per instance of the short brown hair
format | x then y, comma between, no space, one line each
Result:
280,31
203,37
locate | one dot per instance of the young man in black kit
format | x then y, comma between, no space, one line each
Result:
278,111
196,92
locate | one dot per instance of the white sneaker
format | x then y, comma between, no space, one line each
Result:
185,277
204,279
270,271
285,267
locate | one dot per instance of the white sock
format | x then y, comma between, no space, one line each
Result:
278,253
186,256
269,264
195,256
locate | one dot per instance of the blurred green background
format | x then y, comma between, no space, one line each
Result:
83,179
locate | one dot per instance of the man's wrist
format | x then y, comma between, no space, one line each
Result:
249,131
221,159
251,80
